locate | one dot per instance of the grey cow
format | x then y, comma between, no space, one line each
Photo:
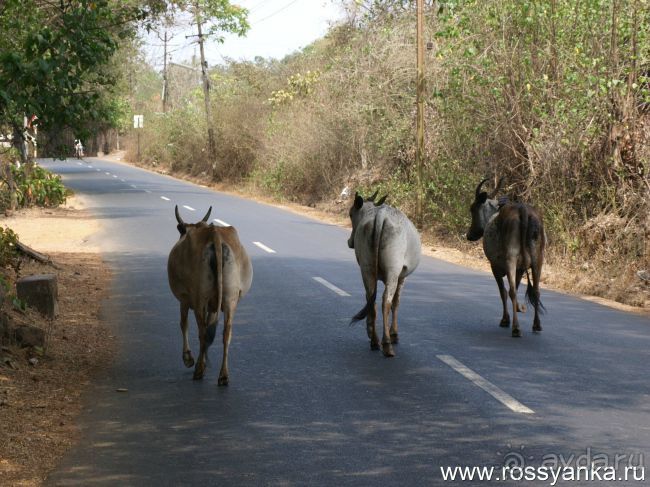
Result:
513,241
387,247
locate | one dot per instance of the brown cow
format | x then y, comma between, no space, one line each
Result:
513,241
209,271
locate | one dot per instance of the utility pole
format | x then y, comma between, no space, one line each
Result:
206,90
165,93
419,148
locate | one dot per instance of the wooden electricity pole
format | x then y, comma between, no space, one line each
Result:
165,94
419,148
206,90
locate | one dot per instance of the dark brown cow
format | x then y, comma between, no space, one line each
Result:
513,241
209,271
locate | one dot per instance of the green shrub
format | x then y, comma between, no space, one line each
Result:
37,186
8,242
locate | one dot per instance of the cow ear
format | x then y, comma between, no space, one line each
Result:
482,198
381,200
358,201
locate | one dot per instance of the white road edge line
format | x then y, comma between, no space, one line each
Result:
165,198
188,208
264,247
501,396
330,286
221,222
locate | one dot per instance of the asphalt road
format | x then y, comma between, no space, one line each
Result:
309,403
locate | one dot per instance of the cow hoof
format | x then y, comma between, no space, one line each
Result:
521,308
387,349
223,381
537,327
394,338
188,360
516,333
197,376
504,323
374,345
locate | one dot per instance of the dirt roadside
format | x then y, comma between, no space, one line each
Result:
567,281
40,390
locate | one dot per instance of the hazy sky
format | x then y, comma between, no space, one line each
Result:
278,28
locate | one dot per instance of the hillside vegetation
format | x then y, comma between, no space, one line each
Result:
554,96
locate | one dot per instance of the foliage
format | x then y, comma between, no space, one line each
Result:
8,242
37,186
53,55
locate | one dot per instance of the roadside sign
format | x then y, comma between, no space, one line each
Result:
138,121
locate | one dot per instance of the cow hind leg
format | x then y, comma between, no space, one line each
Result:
516,332
394,338
370,284
505,319
521,307
188,360
229,312
386,305
201,321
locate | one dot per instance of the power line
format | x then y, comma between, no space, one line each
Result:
282,9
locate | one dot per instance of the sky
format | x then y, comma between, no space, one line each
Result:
278,28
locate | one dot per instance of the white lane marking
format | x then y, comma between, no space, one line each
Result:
331,286
123,180
221,222
501,396
107,173
264,247
80,163
89,166
188,208
114,176
98,170
133,186
147,191
165,198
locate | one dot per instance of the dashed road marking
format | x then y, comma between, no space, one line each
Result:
165,198
501,396
188,208
133,186
221,222
330,286
114,176
107,173
98,170
264,247
147,191
123,180
80,163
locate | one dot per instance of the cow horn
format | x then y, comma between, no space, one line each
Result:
496,190
372,198
207,215
178,216
381,200
478,188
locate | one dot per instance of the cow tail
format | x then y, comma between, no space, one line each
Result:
376,240
528,229
523,232
218,270
533,297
